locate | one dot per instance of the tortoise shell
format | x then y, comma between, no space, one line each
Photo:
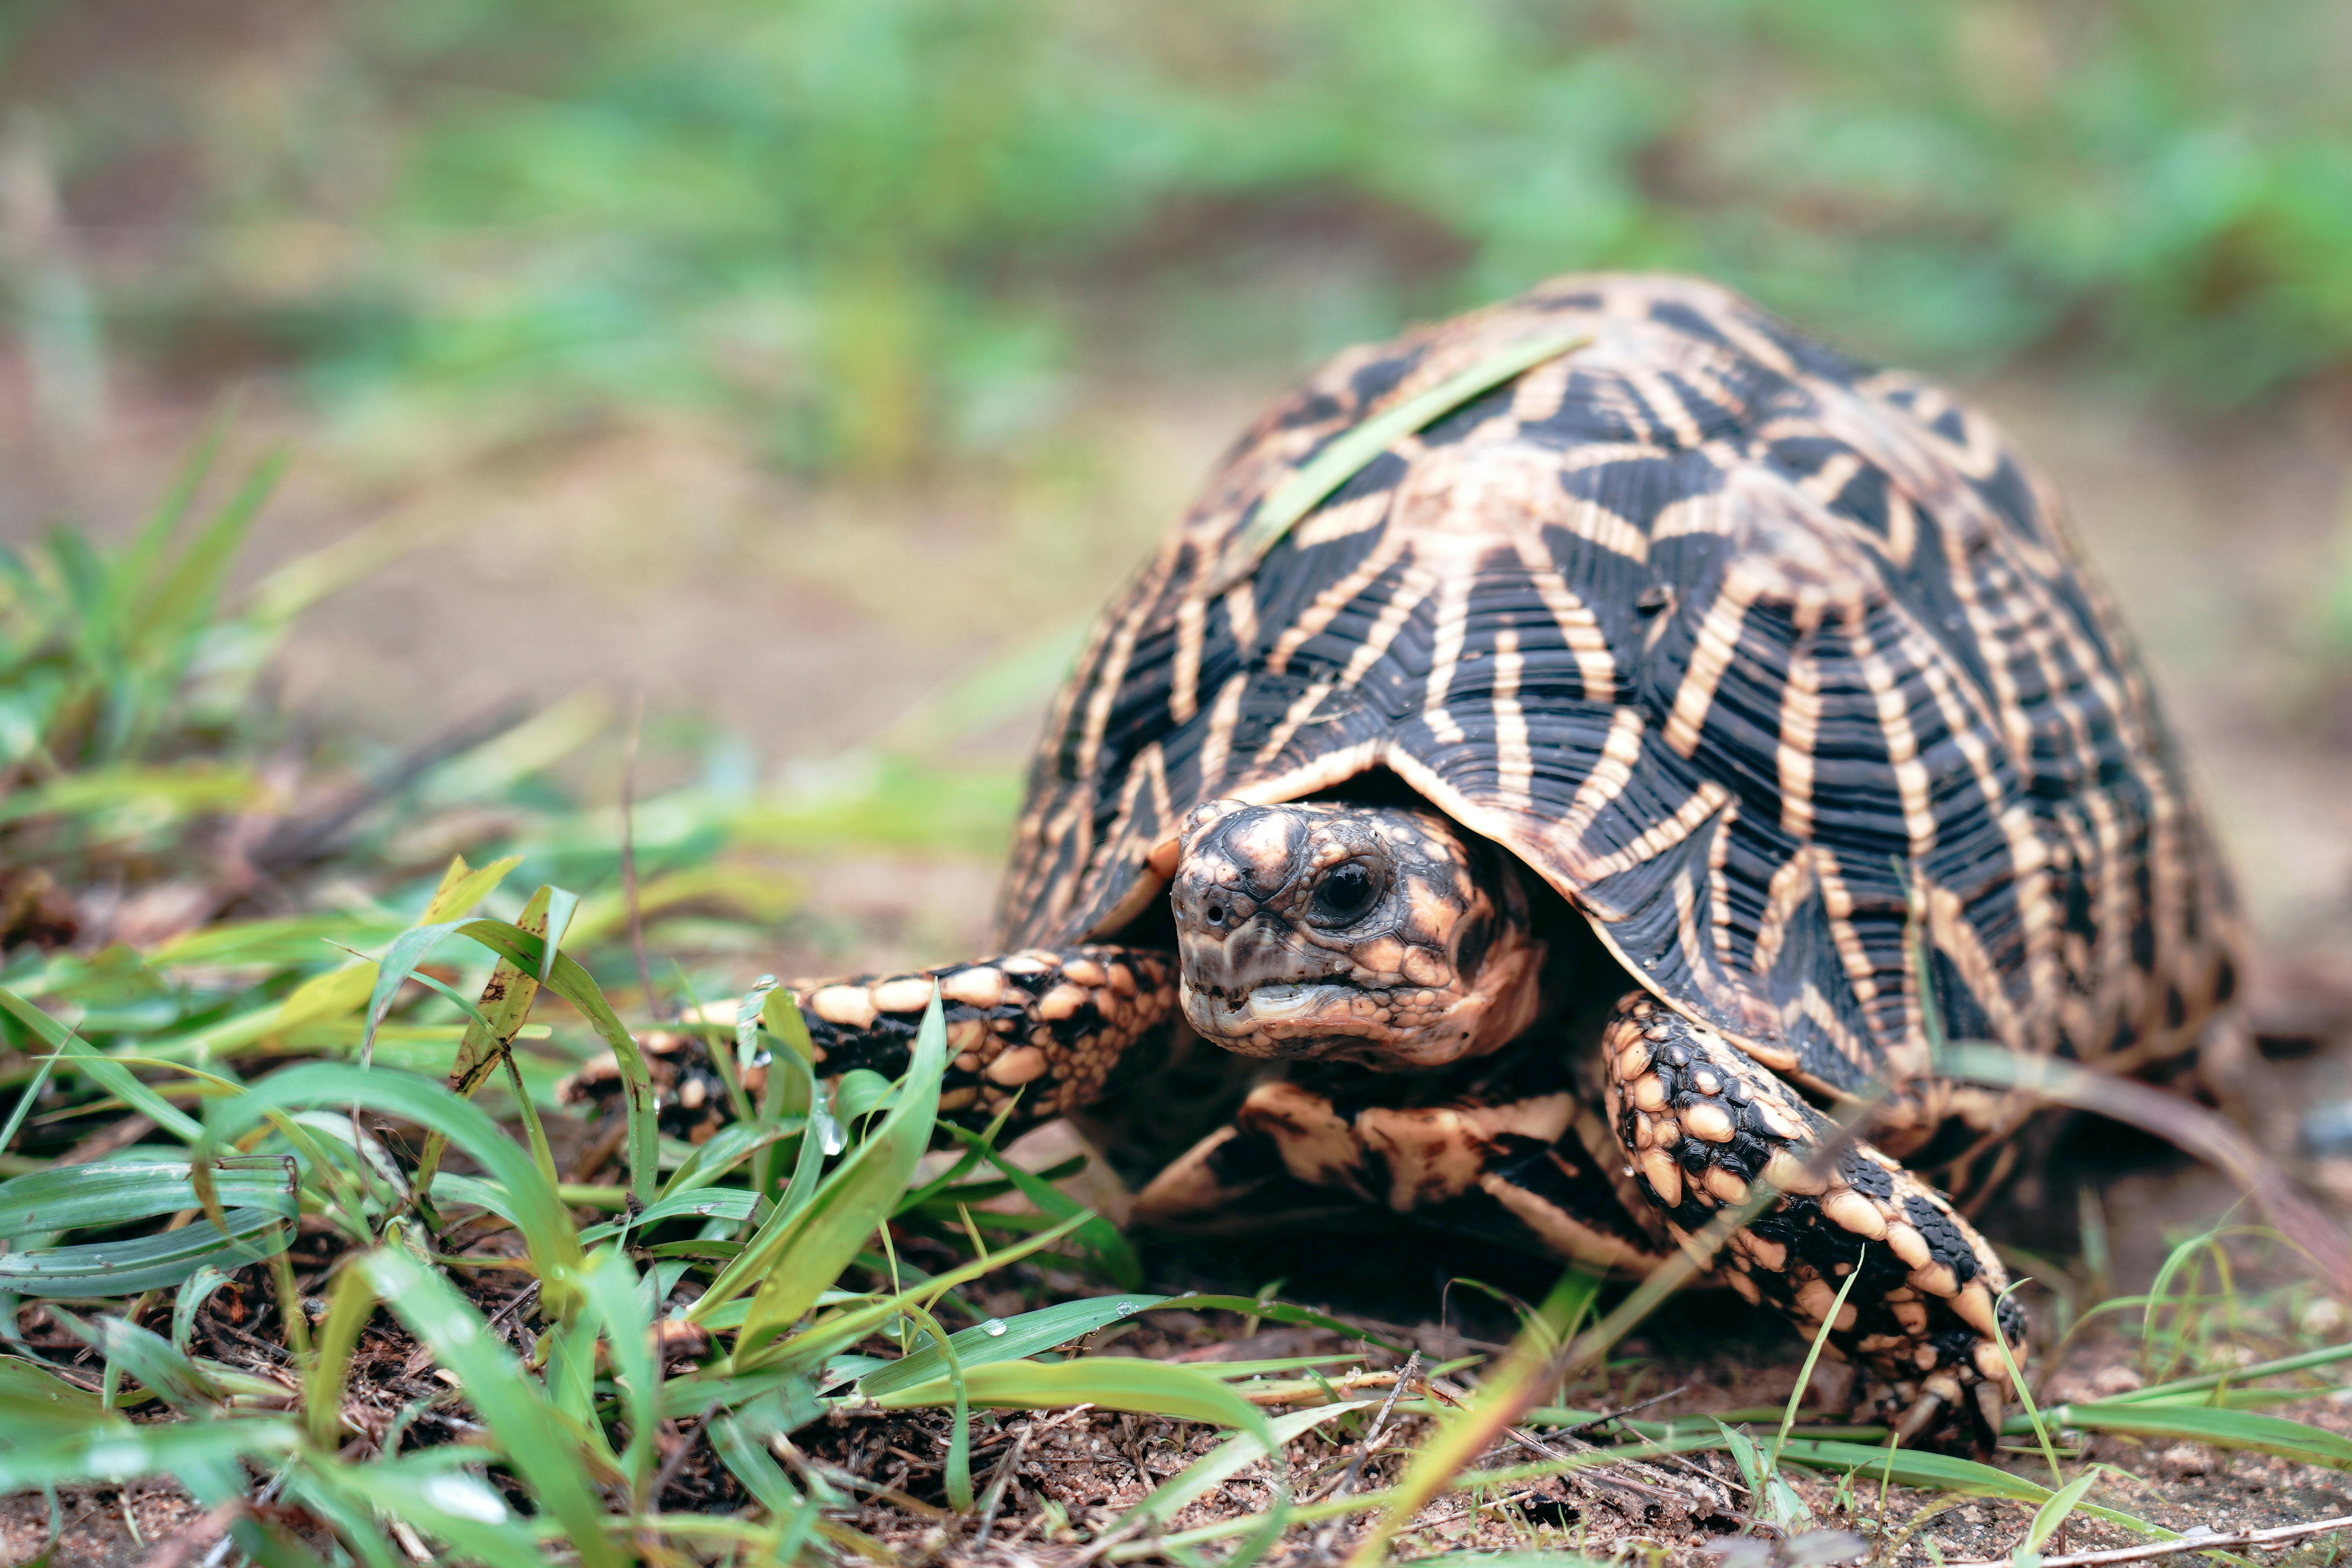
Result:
1764,659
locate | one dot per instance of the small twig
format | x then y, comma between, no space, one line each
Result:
1104,1542
1589,1480
1583,1426
677,1461
219,1553
523,1299
629,853
1373,1435
2205,1542
174,1550
997,1485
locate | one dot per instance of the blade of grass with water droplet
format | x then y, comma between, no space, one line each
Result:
1011,1339
803,1254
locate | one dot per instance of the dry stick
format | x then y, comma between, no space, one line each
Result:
1583,1426
2207,1542
997,1484
629,852
677,1456
173,1550
523,1298
1364,1450
1459,1398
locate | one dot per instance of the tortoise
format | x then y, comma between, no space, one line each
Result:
1578,802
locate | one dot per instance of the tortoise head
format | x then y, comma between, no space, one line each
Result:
1381,935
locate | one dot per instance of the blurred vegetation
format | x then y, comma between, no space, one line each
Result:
884,230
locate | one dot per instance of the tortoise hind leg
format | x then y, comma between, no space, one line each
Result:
1040,1031
1701,1121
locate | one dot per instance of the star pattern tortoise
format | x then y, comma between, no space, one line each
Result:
1607,784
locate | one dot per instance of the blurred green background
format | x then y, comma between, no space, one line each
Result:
816,367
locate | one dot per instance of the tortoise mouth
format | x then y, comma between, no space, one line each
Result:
1284,1005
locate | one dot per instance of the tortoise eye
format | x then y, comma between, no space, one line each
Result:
1345,896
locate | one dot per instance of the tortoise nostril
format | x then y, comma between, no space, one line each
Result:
1216,915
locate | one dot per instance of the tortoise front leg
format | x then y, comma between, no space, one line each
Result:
1039,1030
1523,1170
1701,1121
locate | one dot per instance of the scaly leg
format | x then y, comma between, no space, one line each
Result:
1047,1026
1516,1156
1041,1031
1701,1121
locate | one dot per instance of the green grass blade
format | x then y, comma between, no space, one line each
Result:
573,984
1914,1468
716,1203
429,1492
830,1334
545,1224
1010,1338
107,1074
33,1398
1346,454
135,577
25,1101
615,1297
1813,1356
1232,1456
114,1194
186,591
1114,1383
144,1263
2052,1514
762,1476
1111,1251
2326,1356
808,1250
148,1360
118,1452
2221,1428
503,1009
526,1429
349,1307
190,1300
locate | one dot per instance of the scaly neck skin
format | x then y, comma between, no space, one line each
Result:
1380,935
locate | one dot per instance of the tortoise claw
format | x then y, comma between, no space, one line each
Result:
1935,1394
1989,1410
